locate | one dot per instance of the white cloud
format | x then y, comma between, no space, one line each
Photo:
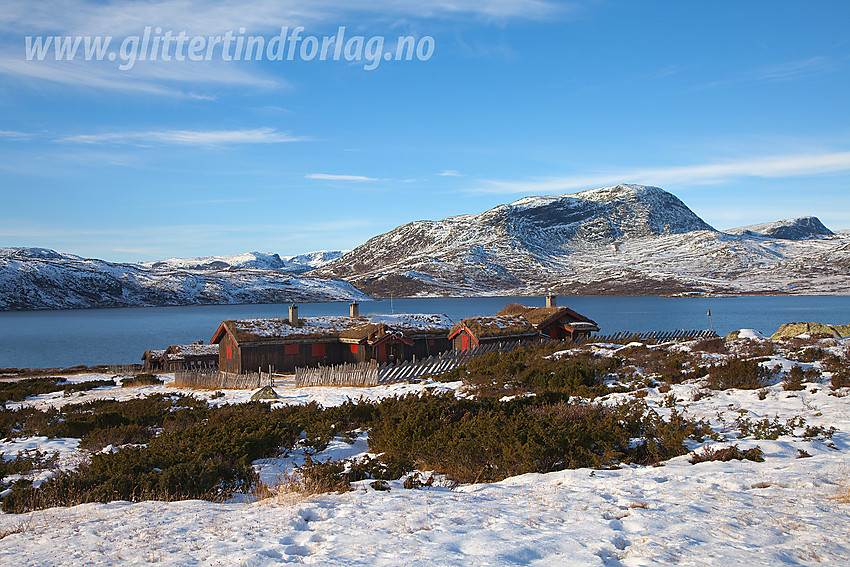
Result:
188,137
450,173
158,78
793,69
767,167
13,135
332,177
119,18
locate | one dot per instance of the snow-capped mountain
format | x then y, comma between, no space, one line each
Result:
801,228
258,260
628,239
36,278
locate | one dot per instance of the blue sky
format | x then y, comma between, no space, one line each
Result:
738,108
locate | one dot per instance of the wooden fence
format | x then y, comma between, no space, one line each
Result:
653,336
217,380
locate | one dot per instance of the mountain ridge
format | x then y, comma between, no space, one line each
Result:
624,239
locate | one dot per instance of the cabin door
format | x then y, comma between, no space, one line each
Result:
464,342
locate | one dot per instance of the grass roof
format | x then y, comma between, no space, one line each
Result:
498,326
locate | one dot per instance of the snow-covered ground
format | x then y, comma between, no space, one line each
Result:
786,510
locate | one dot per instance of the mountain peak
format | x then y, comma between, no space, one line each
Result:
800,228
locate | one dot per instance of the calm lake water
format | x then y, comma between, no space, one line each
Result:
42,339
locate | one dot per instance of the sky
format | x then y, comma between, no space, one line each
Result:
442,107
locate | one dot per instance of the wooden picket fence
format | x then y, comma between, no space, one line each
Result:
373,374
652,336
204,379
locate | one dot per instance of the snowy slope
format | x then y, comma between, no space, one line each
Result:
792,229
259,260
627,239
44,279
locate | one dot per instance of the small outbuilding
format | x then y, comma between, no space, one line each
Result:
187,357
152,360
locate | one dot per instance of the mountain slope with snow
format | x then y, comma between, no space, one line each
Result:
34,278
628,239
258,260
801,228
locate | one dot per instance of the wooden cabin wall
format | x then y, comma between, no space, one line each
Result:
232,364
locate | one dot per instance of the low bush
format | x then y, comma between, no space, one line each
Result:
19,390
716,345
72,387
728,454
750,348
810,354
767,428
141,380
739,373
485,440
528,370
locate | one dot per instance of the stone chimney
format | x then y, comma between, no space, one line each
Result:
551,300
354,309
293,315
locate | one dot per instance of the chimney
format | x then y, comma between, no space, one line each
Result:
354,309
293,315
551,300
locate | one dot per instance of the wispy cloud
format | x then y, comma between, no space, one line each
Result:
768,167
450,173
150,78
793,69
13,135
334,177
212,16
188,137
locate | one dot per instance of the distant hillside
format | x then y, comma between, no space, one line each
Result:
258,260
36,278
801,228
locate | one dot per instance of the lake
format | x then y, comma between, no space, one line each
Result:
43,339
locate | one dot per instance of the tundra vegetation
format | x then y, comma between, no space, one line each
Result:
534,409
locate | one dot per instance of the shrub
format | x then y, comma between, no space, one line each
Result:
739,373
727,454
794,380
19,390
527,370
716,345
768,429
484,440
86,386
810,354
141,380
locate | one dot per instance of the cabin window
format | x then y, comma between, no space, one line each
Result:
229,350
319,349
354,349
291,349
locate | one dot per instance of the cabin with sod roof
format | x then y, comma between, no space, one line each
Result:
286,344
559,323
152,360
518,322
475,331
188,357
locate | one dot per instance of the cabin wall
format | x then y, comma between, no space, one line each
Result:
430,346
230,364
255,357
